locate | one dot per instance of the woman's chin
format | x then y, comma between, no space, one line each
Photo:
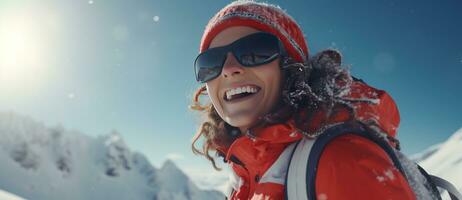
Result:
243,122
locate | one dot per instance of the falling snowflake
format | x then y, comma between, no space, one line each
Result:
333,45
322,196
71,96
390,174
293,134
156,18
90,2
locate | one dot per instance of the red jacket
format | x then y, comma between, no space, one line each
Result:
350,167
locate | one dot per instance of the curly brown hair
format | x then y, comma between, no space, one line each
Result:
318,84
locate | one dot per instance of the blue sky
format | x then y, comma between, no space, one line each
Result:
100,65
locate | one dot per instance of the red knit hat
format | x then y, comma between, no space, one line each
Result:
262,16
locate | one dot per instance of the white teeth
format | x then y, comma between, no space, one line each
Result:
234,91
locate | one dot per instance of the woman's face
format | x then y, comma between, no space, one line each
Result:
261,83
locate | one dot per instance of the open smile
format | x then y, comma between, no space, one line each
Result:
241,93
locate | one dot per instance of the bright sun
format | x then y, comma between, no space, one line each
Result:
22,51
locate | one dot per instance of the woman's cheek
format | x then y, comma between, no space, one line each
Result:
213,93
271,77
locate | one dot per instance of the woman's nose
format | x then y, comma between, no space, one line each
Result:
231,66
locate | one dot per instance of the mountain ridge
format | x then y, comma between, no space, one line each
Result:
40,162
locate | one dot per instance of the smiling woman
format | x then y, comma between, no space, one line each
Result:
271,101
23,50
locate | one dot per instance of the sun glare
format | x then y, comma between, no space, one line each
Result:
22,51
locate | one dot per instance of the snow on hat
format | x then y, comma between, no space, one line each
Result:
262,16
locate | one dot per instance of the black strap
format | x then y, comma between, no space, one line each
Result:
333,132
453,192
430,185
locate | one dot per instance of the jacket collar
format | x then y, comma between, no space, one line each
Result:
254,150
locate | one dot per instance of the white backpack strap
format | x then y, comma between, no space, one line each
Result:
277,173
296,183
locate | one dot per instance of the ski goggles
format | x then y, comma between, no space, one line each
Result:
250,51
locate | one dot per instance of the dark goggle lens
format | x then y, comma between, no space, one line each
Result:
253,50
257,50
208,65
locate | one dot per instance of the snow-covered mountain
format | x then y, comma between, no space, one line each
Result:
39,162
4,195
444,160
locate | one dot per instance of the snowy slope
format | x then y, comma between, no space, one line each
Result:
4,195
446,160
211,179
40,162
